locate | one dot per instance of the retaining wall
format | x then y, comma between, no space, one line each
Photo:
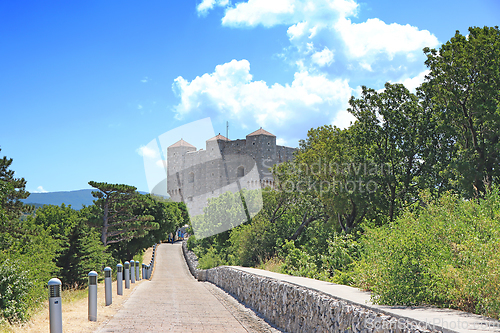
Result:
294,308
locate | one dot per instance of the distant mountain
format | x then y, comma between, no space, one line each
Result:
74,198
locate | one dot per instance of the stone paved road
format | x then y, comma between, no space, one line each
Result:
175,302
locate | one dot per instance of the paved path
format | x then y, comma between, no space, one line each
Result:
175,302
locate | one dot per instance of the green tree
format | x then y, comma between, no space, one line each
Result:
166,213
114,213
396,135
15,190
464,86
79,247
327,169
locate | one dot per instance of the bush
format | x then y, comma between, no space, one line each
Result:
14,291
445,254
211,259
341,255
298,262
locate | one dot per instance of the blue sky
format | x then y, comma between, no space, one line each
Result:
86,85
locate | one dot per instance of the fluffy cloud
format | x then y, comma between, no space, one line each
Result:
413,82
265,12
331,54
147,152
206,5
323,58
40,189
230,91
321,29
375,36
270,13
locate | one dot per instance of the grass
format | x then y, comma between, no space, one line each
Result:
272,265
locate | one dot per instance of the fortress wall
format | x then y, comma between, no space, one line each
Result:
295,308
285,153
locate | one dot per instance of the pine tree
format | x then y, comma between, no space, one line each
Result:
113,212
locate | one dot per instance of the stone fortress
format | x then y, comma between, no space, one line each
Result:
193,176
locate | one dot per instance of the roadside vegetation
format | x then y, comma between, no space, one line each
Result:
404,203
59,241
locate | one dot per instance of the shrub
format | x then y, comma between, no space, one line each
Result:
211,259
298,262
14,291
445,254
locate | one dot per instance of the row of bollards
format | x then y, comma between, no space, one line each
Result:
132,274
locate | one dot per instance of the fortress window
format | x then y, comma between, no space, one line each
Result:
241,171
268,143
190,198
191,177
253,143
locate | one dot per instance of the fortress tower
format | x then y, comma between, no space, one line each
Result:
193,176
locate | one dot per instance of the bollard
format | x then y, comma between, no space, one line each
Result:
119,279
144,271
55,306
93,296
127,275
108,291
132,271
137,273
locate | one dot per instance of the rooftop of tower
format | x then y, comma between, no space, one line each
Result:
219,137
261,131
181,143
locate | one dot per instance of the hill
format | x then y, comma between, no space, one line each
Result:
74,198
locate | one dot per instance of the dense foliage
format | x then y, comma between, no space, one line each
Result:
445,254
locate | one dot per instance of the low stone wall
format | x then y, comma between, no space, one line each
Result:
294,308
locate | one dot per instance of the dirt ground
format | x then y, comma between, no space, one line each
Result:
75,313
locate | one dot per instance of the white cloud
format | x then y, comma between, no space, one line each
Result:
275,12
412,83
297,30
230,91
323,58
206,5
147,152
281,141
139,106
374,36
265,12
343,119
145,80
40,189
366,66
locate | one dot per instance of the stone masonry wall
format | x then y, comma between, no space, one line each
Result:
294,308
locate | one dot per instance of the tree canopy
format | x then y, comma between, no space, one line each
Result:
464,86
116,207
